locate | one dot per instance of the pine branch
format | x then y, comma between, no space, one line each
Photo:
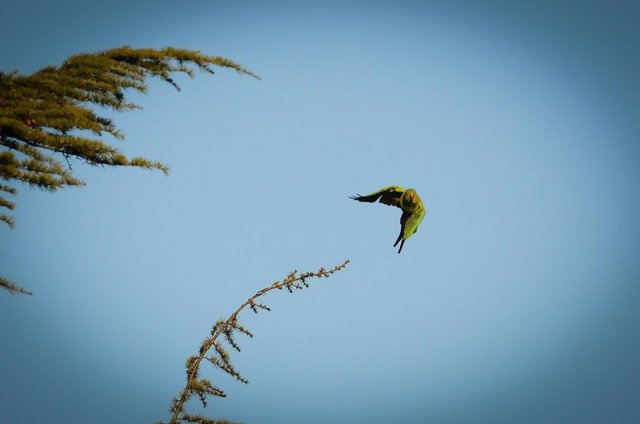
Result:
4,203
12,288
48,116
41,109
220,358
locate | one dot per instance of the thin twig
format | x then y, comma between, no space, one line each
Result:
294,280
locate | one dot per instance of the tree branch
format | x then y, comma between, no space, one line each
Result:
13,288
220,359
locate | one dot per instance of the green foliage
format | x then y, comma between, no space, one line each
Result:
4,203
216,354
47,116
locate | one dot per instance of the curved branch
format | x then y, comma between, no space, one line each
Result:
292,281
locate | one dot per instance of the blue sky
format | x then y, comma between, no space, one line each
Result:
516,301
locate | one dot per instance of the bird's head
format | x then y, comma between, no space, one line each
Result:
410,197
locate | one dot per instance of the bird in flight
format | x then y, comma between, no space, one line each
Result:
413,210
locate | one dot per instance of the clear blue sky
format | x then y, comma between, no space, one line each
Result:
516,301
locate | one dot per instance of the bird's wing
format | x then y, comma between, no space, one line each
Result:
411,222
388,195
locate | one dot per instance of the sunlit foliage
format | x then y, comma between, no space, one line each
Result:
50,116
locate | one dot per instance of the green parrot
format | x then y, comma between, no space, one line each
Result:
413,210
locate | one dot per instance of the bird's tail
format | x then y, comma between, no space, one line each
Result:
398,241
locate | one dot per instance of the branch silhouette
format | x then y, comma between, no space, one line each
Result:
220,358
12,287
